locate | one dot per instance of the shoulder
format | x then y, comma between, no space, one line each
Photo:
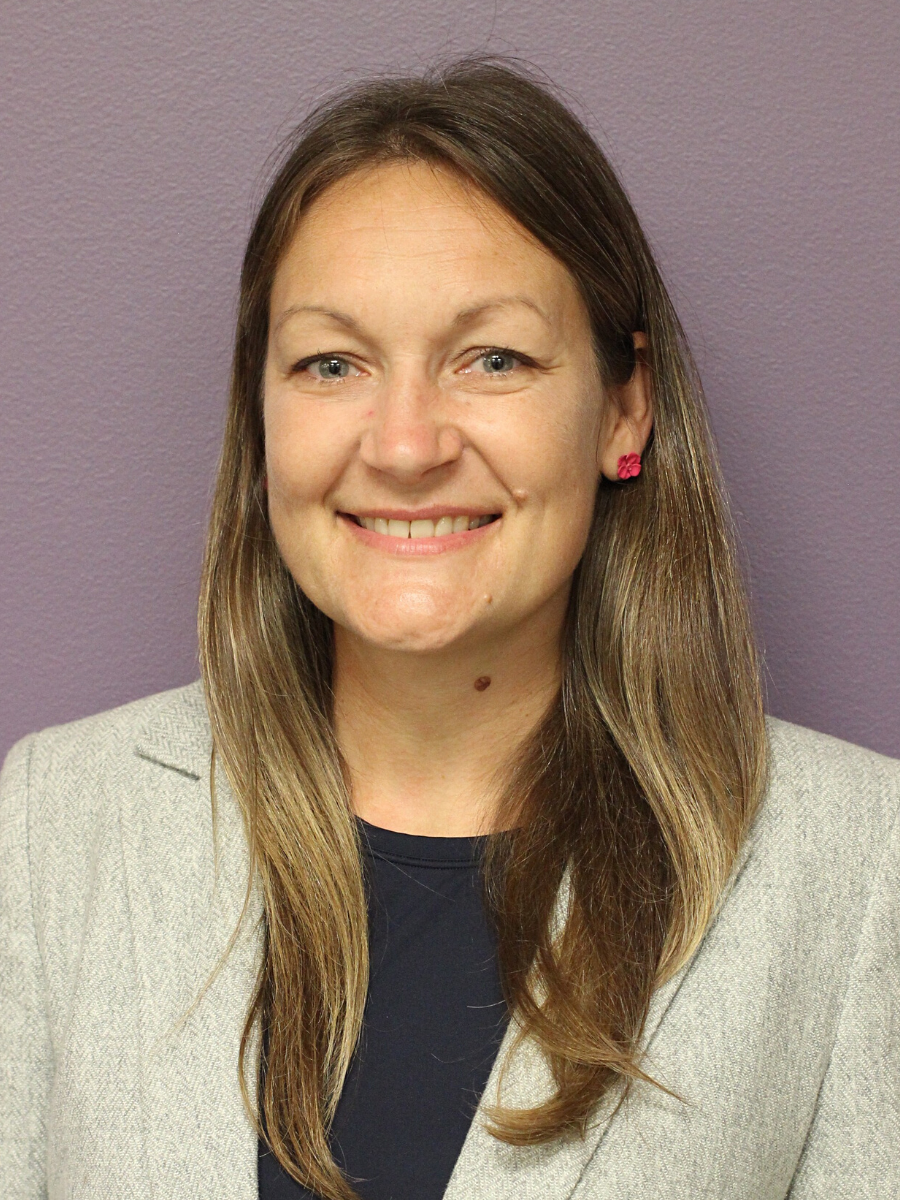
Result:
829,791
820,842
822,856
69,748
64,773
76,798
806,758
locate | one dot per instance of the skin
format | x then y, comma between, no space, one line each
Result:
408,283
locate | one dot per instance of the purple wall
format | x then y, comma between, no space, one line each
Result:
759,142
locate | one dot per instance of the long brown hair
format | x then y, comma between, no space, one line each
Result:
633,796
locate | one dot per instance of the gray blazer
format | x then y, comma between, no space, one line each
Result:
782,1034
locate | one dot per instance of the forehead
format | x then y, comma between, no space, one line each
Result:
398,223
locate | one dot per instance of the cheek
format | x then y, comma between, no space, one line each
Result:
559,455
299,475
304,453
566,474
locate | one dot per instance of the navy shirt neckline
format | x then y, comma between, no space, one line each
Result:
419,850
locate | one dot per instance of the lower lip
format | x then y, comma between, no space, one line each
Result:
417,546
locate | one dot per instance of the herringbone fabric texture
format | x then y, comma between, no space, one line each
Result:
782,1035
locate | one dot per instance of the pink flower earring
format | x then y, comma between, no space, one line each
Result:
629,465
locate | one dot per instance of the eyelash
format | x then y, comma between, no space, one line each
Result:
482,352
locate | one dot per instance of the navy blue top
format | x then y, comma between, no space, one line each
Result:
433,1023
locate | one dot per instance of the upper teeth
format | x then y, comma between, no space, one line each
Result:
423,529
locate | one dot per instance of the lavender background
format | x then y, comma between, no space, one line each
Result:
760,143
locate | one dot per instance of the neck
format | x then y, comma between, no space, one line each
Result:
426,737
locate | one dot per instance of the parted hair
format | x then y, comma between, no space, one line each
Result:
624,809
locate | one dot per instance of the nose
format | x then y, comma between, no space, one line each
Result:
409,432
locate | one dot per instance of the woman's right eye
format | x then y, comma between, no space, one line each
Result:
327,367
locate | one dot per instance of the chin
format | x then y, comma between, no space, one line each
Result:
409,627
411,636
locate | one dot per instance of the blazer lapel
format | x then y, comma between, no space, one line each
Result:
488,1169
200,1140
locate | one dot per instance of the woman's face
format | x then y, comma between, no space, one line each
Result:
434,423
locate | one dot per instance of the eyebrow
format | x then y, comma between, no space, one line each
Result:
340,318
467,316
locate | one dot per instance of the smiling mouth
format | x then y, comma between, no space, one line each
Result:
440,527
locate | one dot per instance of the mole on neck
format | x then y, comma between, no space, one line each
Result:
482,683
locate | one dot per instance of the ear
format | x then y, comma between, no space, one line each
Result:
629,414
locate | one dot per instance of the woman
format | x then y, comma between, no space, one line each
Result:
472,868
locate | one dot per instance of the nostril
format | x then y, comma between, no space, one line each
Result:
409,445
